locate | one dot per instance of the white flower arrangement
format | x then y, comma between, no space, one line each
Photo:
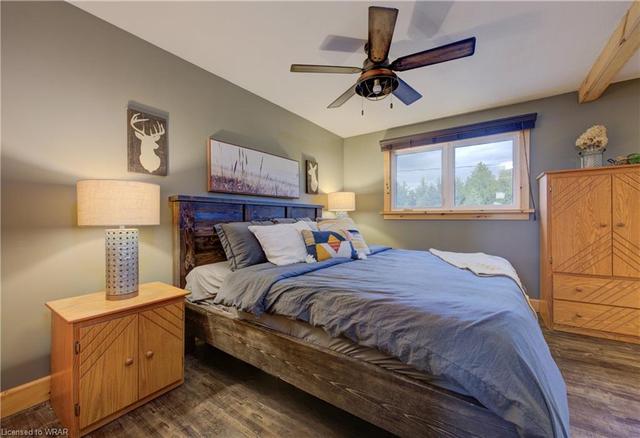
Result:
593,138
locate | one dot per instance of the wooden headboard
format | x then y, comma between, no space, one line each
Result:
195,241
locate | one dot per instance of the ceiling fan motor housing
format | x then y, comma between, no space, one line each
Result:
376,83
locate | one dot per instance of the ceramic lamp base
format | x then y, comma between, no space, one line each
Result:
121,247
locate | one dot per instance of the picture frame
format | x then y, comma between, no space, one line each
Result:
147,141
311,174
246,171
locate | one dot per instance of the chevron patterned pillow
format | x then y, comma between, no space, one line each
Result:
324,245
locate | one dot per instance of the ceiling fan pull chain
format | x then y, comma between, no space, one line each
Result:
391,102
362,106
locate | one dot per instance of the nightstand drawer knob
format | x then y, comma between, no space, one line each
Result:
149,354
128,362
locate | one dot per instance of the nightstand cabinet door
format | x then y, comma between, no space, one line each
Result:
161,347
107,367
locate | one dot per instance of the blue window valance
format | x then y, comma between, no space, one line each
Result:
508,124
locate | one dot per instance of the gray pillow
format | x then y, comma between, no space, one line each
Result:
284,220
240,245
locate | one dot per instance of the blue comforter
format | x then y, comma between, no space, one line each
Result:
478,333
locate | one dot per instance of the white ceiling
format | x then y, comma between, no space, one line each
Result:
525,50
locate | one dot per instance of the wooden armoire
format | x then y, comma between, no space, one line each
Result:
590,251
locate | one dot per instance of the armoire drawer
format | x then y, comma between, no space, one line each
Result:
610,291
621,320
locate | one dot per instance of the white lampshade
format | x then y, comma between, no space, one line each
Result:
111,202
341,201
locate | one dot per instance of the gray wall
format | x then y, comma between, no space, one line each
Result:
66,80
560,120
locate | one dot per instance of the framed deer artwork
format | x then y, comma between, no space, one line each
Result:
312,177
147,142
246,171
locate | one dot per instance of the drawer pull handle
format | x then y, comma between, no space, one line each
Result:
579,289
128,362
149,354
604,225
578,315
620,225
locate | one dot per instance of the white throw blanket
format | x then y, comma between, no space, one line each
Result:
483,265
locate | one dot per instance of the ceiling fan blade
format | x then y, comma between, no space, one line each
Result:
382,21
338,43
343,97
448,52
311,68
406,93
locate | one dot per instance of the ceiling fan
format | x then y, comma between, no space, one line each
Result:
377,76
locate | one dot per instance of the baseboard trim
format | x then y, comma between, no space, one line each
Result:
535,303
22,397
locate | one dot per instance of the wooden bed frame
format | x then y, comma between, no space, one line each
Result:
396,403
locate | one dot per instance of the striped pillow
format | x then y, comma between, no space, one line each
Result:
358,243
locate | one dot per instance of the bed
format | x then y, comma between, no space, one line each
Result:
390,397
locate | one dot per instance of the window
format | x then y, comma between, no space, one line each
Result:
477,178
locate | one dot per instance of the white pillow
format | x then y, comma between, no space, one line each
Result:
282,243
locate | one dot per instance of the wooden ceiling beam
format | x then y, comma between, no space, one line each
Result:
622,44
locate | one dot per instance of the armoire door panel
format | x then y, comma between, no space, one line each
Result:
108,368
626,224
161,347
581,224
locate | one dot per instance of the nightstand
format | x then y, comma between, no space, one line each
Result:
109,357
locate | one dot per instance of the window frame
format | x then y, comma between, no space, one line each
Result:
519,210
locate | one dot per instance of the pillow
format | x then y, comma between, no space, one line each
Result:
286,220
312,224
337,224
282,243
358,242
325,245
346,223
240,245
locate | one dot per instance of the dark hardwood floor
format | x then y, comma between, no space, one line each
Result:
225,397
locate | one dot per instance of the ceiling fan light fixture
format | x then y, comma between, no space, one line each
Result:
376,85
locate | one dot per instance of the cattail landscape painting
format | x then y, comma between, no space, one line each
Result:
240,170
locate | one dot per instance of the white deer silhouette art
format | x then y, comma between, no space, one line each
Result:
148,143
313,173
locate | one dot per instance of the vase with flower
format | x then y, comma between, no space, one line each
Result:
592,144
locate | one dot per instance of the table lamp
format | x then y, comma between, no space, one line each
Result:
341,203
119,203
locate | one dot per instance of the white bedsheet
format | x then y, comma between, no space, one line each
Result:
204,281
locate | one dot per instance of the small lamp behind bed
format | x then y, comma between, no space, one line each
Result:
341,203
119,203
